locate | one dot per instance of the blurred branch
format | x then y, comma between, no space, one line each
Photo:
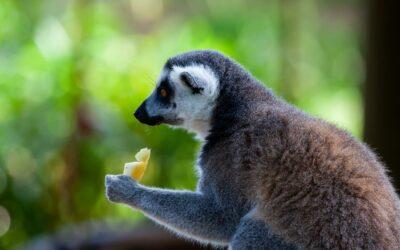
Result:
83,127
100,236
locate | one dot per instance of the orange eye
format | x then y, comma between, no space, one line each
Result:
163,93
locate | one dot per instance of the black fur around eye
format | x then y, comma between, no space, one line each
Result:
164,93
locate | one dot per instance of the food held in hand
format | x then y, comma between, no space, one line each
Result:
136,169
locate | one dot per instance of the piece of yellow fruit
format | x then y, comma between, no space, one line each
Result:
136,169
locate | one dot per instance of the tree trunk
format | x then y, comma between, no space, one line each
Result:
381,91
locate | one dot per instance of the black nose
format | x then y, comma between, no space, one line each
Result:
141,112
142,116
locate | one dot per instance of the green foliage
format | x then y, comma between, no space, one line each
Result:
72,73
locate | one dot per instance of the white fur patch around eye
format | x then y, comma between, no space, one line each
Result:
163,74
200,71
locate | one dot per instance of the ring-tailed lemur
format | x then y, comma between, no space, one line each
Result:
270,176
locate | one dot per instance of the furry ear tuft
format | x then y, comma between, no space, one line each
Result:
200,79
195,84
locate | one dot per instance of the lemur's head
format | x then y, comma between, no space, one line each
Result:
186,92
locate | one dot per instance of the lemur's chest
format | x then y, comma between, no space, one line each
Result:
219,178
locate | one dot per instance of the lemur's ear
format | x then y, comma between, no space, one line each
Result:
194,83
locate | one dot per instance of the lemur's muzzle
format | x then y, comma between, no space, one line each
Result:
142,116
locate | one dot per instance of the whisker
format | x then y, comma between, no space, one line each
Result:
150,79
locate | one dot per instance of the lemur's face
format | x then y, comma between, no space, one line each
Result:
185,96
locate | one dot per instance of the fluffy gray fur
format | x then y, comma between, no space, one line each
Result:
194,215
271,176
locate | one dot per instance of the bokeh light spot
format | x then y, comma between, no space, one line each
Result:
52,39
5,221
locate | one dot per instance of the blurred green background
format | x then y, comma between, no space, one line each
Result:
73,72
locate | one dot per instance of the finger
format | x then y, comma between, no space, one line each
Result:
109,179
112,193
124,177
112,197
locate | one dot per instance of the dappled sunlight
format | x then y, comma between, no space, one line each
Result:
72,75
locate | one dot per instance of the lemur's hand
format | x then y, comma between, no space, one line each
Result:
121,188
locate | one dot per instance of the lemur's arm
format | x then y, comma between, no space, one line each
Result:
189,213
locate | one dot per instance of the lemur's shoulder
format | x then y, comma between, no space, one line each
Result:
293,162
